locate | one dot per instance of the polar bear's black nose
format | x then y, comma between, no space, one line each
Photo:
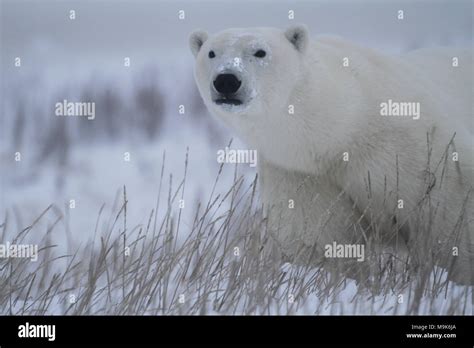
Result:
227,83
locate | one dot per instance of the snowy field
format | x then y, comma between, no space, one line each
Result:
131,211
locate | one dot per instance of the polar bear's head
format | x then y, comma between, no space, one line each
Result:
247,72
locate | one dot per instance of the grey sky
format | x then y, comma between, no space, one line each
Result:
150,30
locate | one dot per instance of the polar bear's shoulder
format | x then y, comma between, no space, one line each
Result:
339,43
334,50
330,38
341,47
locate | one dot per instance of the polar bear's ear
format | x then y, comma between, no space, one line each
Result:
298,35
196,40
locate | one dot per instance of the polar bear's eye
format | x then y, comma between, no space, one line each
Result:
260,54
211,54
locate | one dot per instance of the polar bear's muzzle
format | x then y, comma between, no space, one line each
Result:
227,84
227,89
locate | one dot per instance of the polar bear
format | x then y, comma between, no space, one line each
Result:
352,144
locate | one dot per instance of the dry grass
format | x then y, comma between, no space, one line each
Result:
145,269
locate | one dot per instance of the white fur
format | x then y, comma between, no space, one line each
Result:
337,110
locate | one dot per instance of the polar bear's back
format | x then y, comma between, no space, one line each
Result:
450,82
425,75
452,67
441,60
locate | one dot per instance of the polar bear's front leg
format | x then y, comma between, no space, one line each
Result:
306,213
